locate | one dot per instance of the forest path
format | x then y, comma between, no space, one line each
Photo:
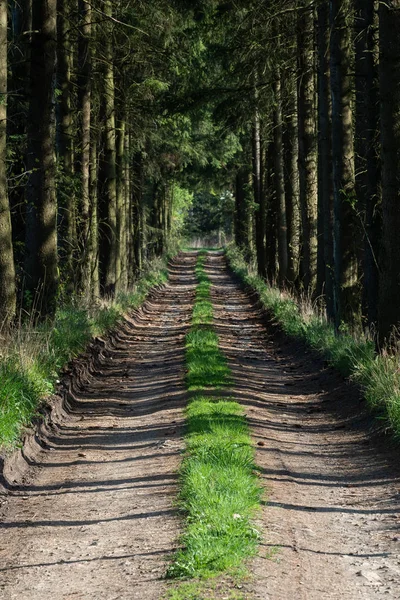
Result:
95,521
331,523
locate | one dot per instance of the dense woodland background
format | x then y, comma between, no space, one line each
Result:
125,125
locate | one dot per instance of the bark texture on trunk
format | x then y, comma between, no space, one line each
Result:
17,103
307,145
85,104
271,215
291,152
279,185
137,217
121,275
389,294
367,148
7,269
67,13
259,197
346,223
242,217
325,184
41,267
110,188
93,251
127,231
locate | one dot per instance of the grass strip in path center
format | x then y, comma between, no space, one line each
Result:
219,489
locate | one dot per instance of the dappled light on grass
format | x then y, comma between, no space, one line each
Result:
207,365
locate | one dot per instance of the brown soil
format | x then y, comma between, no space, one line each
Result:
95,518
331,524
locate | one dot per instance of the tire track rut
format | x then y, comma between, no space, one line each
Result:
331,524
96,518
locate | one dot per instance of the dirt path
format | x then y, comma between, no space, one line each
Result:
96,519
331,526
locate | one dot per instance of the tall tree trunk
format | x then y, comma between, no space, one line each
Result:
307,145
389,66
85,105
259,197
346,293
93,252
242,218
17,118
133,236
121,278
65,139
127,233
279,184
367,150
137,217
271,226
7,270
291,153
325,191
110,188
41,236
166,205
156,238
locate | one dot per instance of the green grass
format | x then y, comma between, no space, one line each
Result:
202,311
206,590
353,354
207,366
32,358
219,488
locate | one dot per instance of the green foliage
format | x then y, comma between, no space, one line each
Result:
209,213
353,356
182,200
32,358
219,490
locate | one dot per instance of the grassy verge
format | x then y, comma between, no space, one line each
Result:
219,488
33,356
353,355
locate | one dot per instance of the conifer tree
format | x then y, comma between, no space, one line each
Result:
7,270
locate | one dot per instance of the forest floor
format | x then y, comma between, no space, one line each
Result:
94,517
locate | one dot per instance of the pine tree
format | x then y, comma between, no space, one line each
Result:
7,270
389,66
325,183
41,265
346,225
367,148
307,144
